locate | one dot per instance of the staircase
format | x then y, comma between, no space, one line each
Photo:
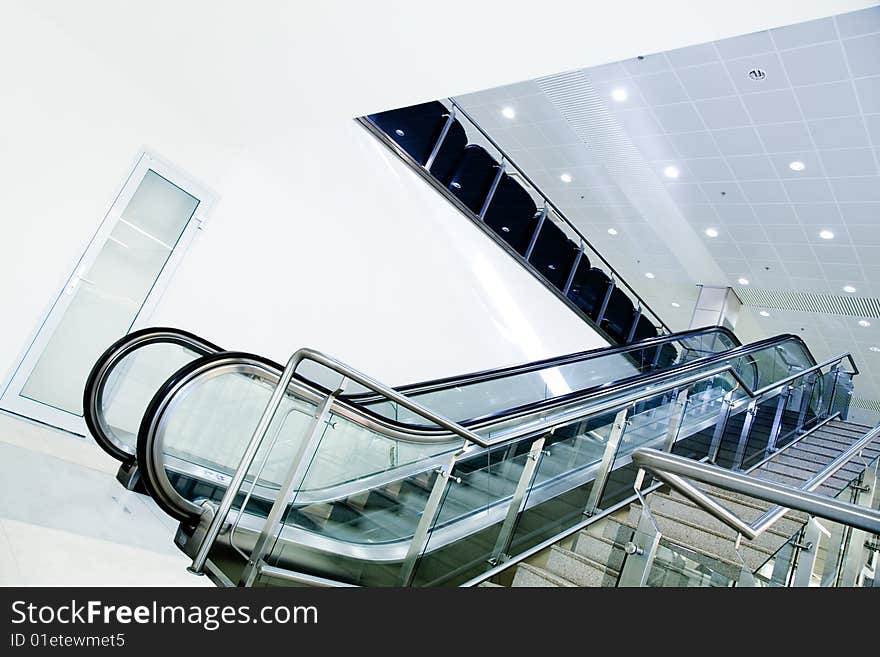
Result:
697,549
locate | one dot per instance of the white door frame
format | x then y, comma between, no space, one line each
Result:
11,399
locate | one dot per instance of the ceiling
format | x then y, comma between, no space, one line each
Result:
731,117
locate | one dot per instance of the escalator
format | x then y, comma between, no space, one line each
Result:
379,496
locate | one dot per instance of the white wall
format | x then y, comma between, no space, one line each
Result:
321,237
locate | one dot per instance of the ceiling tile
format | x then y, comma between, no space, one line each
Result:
793,234
708,81
794,252
526,135
775,213
859,22
857,190
722,113
845,132
709,169
784,137
861,213
738,141
834,254
763,191
694,144
869,93
847,272
646,64
803,269
639,122
772,107
827,100
815,214
782,164
815,64
867,235
808,191
723,193
698,212
736,213
607,72
743,46
862,55
558,132
662,89
634,96
802,34
686,192
763,254
655,147
769,63
748,235
692,55
751,167
679,118
850,162
873,125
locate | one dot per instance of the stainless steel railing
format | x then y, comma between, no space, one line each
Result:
306,450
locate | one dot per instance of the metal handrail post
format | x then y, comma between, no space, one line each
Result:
538,227
574,266
607,462
449,119
777,420
296,474
745,434
517,502
247,459
721,426
492,190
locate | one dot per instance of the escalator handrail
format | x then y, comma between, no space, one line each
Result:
151,452
104,366
98,376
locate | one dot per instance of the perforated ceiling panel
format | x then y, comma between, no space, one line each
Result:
867,307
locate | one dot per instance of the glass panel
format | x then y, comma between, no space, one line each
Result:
131,385
108,295
677,566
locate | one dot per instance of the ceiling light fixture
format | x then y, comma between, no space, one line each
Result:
875,349
743,281
764,313
826,235
711,232
849,289
508,113
649,275
676,304
612,231
864,323
565,177
671,172
797,165
620,94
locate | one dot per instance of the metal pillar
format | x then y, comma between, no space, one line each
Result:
517,502
608,457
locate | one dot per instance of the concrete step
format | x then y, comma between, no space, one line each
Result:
579,569
602,550
528,575
715,545
675,506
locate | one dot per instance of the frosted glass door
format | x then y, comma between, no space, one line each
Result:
105,296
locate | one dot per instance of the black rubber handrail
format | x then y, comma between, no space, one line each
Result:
154,335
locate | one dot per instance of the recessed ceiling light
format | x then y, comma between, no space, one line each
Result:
649,275
764,313
508,113
565,177
619,94
864,323
875,349
676,305
826,235
711,232
671,172
612,231
849,289
743,281
797,165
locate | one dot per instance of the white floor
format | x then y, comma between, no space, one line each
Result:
66,521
